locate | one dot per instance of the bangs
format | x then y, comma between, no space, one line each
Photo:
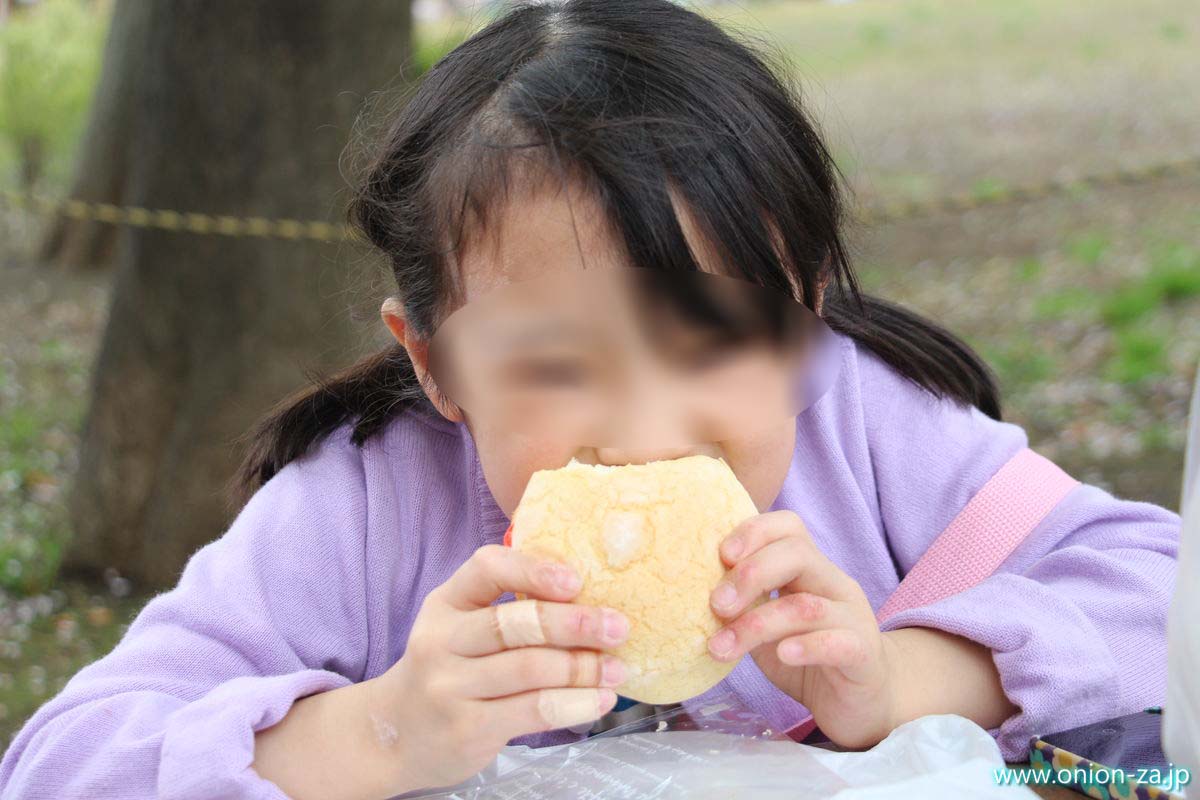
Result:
668,210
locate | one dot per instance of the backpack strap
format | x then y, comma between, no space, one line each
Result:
1007,509
988,529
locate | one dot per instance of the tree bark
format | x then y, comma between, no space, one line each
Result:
103,159
244,110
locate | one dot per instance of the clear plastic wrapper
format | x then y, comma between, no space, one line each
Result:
723,749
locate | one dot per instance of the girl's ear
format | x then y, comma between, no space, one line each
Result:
392,313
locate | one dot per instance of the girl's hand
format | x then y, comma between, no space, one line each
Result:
474,675
819,641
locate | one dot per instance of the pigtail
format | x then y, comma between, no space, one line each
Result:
368,394
919,349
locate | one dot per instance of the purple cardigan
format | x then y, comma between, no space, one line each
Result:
317,582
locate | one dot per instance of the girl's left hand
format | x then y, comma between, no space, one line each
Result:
819,641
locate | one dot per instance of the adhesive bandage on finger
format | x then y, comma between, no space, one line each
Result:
519,624
562,708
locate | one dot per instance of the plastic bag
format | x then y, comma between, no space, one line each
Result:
715,750
723,749
1181,710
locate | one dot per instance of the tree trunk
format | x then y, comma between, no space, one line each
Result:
103,160
244,110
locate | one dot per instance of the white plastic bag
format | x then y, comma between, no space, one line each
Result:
1181,711
936,757
732,752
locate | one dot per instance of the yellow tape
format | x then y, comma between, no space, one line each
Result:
188,221
294,229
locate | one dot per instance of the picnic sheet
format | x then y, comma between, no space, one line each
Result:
733,753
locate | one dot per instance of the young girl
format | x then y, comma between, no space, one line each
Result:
341,640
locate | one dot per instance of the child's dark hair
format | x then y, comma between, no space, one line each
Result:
640,101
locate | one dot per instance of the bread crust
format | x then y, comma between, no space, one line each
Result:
644,538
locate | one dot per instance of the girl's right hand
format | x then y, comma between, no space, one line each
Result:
475,675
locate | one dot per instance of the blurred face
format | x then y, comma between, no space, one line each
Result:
547,360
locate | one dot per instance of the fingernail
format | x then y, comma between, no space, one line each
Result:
733,547
615,626
564,578
791,651
722,643
568,580
605,699
612,672
724,596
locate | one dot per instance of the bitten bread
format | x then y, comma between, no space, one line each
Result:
644,538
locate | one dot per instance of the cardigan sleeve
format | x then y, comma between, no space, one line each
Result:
272,611
1076,615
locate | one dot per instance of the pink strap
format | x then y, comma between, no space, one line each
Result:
997,519
1000,515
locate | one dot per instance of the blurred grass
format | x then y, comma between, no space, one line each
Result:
1026,35
50,637
49,64
48,628
1087,306
32,448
